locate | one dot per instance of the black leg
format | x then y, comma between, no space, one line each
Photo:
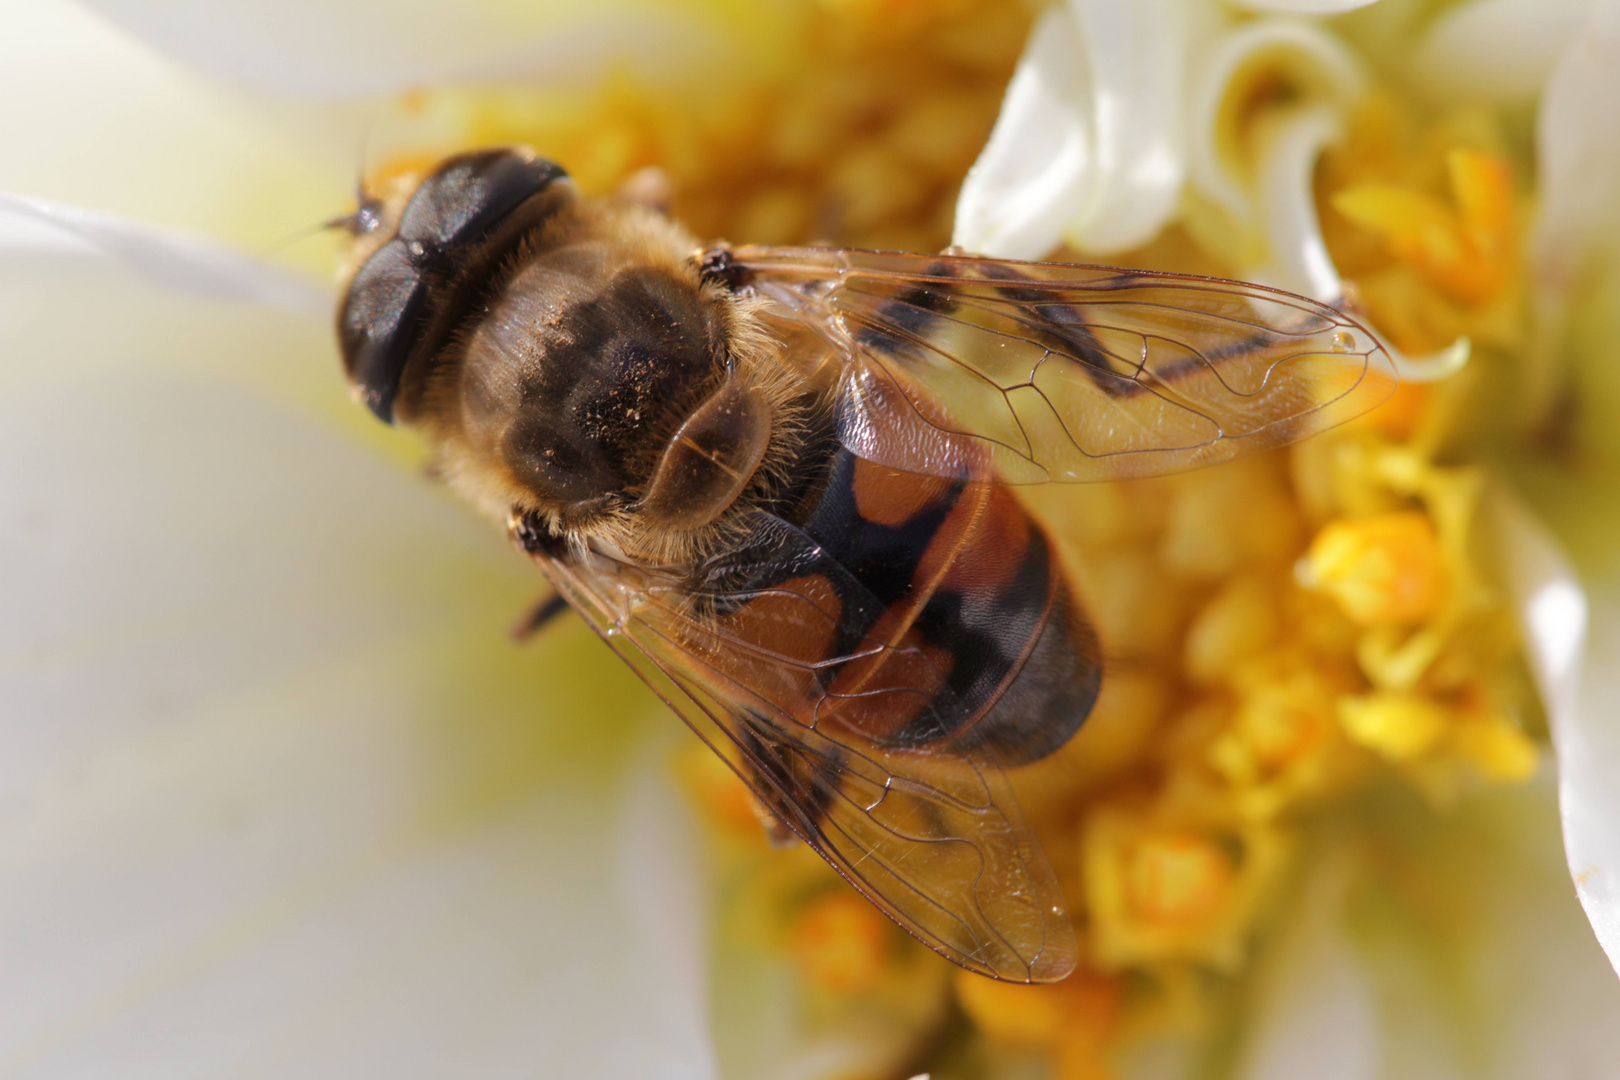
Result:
537,617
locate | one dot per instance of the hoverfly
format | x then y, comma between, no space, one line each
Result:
777,482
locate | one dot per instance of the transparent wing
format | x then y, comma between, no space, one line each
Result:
930,833
1059,372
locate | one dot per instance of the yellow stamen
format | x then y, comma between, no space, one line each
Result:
1237,623
1178,879
1496,746
726,801
1482,188
1400,727
841,942
1078,1012
1464,248
1380,569
1282,716
1161,886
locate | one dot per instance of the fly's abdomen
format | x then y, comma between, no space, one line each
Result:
965,632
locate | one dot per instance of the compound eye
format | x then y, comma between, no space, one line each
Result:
405,299
472,194
386,302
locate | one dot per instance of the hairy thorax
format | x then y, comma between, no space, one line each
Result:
604,387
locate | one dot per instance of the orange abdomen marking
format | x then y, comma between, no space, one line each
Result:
953,622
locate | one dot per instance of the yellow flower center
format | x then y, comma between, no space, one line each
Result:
1497,746
1398,726
1178,879
1465,247
1076,1017
1380,569
841,942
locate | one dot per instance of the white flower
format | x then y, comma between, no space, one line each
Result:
1089,135
1457,950
1116,110
1123,116
1071,163
277,796
1575,246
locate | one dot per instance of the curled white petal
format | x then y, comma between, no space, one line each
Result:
1136,56
305,49
1432,367
1033,175
1495,50
1088,144
164,258
1287,199
1308,55
1582,711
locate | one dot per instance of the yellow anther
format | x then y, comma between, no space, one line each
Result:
1280,720
1282,744
1228,518
1178,879
1415,227
1162,886
1380,569
1079,1012
1400,727
1497,747
1014,1013
841,942
1483,190
726,801
1465,248
1238,622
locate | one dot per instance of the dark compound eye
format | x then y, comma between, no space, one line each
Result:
471,195
405,299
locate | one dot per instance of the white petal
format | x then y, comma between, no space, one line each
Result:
1432,367
1584,715
1495,50
1483,964
1434,944
349,48
1314,1014
1578,152
659,881
96,120
1303,7
1035,173
1088,144
1548,986
277,798
1136,58
1287,200
165,258
1306,55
